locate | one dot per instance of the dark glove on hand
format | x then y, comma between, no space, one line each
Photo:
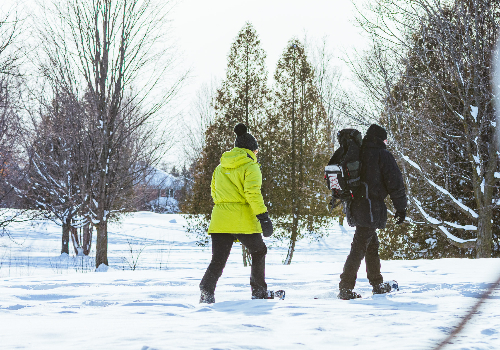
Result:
267,225
400,217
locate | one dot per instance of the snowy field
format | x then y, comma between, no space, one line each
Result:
52,302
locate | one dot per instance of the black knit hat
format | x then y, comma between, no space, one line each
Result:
244,139
377,131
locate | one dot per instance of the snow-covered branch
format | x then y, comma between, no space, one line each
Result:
455,202
456,241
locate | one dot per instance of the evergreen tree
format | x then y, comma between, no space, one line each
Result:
434,94
243,97
296,149
187,180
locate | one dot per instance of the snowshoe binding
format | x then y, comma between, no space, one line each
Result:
348,294
280,294
385,287
269,294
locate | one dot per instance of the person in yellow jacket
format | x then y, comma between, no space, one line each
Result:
239,213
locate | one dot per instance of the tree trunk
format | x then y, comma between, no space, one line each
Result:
486,188
341,219
101,254
247,260
65,238
484,233
87,239
293,239
75,240
293,187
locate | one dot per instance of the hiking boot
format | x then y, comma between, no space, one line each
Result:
207,298
382,288
348,294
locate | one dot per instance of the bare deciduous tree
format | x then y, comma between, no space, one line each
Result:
113,56
201,116
11,82
55,167
327,77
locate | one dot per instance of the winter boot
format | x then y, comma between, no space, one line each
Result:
382,288
207,298
348,294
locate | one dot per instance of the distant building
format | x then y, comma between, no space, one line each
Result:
159,192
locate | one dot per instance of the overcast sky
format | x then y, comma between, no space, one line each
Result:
206,28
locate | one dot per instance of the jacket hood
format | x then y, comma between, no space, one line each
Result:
373,142
237,157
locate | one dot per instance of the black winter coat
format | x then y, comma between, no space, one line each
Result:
380,172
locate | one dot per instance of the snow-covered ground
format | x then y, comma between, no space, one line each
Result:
51,302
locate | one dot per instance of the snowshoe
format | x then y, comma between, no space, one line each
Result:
207,298
269,294
348,294
385,287
280,294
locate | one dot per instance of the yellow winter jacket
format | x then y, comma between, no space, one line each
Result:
236,184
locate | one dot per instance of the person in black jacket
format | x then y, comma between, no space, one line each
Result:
368,212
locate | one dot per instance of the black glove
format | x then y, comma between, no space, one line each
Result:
400,217
267,225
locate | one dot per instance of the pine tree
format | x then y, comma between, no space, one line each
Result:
434,94
243,97
297,148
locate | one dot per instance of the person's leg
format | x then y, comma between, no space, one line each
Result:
372,261
258,251
221,248
359,244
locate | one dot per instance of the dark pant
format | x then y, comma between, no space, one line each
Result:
364,245
221,247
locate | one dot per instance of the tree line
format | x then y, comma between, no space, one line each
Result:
426,78
81,132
